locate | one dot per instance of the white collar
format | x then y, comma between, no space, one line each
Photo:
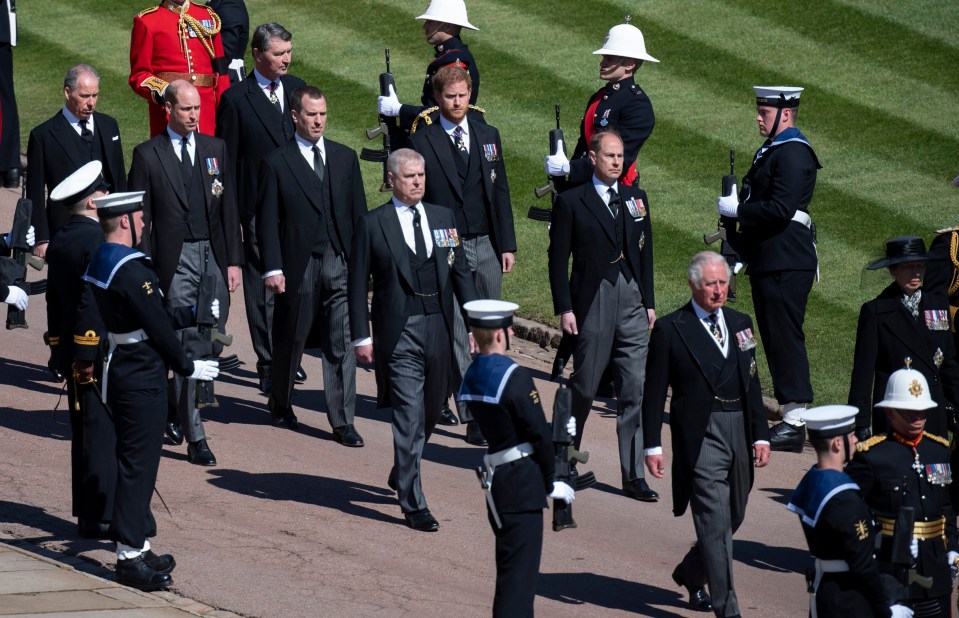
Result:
449,126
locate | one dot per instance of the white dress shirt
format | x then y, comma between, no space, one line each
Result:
75,121
264,85
449,127
602,189
177,140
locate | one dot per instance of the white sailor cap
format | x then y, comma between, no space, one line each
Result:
490,313
830,421
778,96
80,184
118,204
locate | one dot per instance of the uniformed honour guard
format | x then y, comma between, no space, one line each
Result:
142,348
520,461
908,467
837,524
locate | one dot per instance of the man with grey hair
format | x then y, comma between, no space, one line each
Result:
254,119
74,136
412,251
707,354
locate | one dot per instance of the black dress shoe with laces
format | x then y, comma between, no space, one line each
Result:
698,597
348,436
786,437
159,563
282,417
422,520
473,434
136,573
639,489
447,417
199,453
174,433
300,376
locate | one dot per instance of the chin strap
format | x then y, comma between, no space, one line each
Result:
846,448
133,231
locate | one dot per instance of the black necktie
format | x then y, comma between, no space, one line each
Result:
275,100
613,202
186,165
717,332
318,163
85,133
460,143
418,235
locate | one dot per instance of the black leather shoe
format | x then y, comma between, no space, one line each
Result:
473,434
640,490
300,376
447,417
282,417
348,436
391,482
422,520
93,529
160,564
136,573
11,178
786,437
174,433
199,453
698,597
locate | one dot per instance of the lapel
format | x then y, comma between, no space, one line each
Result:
63,135
594,204
912,334
440,254
171,165
697,342
304,174
393,233
439,142
201,154
106,141
265,111
734,324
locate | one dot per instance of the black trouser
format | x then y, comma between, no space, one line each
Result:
93,458
10,136
519,546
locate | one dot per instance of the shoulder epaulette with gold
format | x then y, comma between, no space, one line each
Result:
425,117
477,108
148,10
935,438
862,447
946,230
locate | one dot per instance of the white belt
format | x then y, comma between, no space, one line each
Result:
116,339
824,566
497,459
803,218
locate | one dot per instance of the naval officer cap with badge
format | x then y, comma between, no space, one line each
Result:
837,524
519,467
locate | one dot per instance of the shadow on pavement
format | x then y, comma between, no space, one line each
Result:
779,494
34,378
347,497
608,592
767,558
51,528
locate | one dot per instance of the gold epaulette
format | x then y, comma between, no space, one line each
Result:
862,447
52,341
425,116
946,230
148,10
87,338
935,438
477,109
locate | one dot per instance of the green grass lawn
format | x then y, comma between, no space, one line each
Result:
881,93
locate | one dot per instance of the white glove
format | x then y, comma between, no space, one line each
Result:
914,549
390,105
215,308
900,611
17,297
571,427
557,164
728,205
562,491
205,370
31,236
952,557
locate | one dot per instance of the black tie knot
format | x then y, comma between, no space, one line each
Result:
85,131
614,201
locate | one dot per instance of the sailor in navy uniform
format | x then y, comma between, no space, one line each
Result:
910,467
520,461
142,346
777,239
838,525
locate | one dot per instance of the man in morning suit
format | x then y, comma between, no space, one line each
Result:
466,172
310,197
707,354
192,228
607,303
74,136
254,119
414,256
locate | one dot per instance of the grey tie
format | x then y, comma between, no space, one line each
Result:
318,163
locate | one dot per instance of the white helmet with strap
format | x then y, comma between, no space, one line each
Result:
448,11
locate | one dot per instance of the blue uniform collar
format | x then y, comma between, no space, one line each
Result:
107,261
486,378
790,135
815,490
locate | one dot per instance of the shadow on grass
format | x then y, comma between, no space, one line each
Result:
608,592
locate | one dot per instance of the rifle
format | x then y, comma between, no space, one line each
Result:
381,156
14,269
209,334
555,139
562,441
726,229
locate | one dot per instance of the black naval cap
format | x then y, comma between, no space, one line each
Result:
490,313
81,184
900,250
117,204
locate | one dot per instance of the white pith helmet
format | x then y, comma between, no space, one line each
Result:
625,40
449,12
907,389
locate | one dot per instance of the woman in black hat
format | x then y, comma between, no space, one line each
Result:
904,321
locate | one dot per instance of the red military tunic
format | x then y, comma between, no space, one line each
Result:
171,42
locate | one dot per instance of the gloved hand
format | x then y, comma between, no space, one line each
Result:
914,549
728,205
951,558
562,491
215,308
31,236
900,611
557,164
389,105
571,427
17,297
205,370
